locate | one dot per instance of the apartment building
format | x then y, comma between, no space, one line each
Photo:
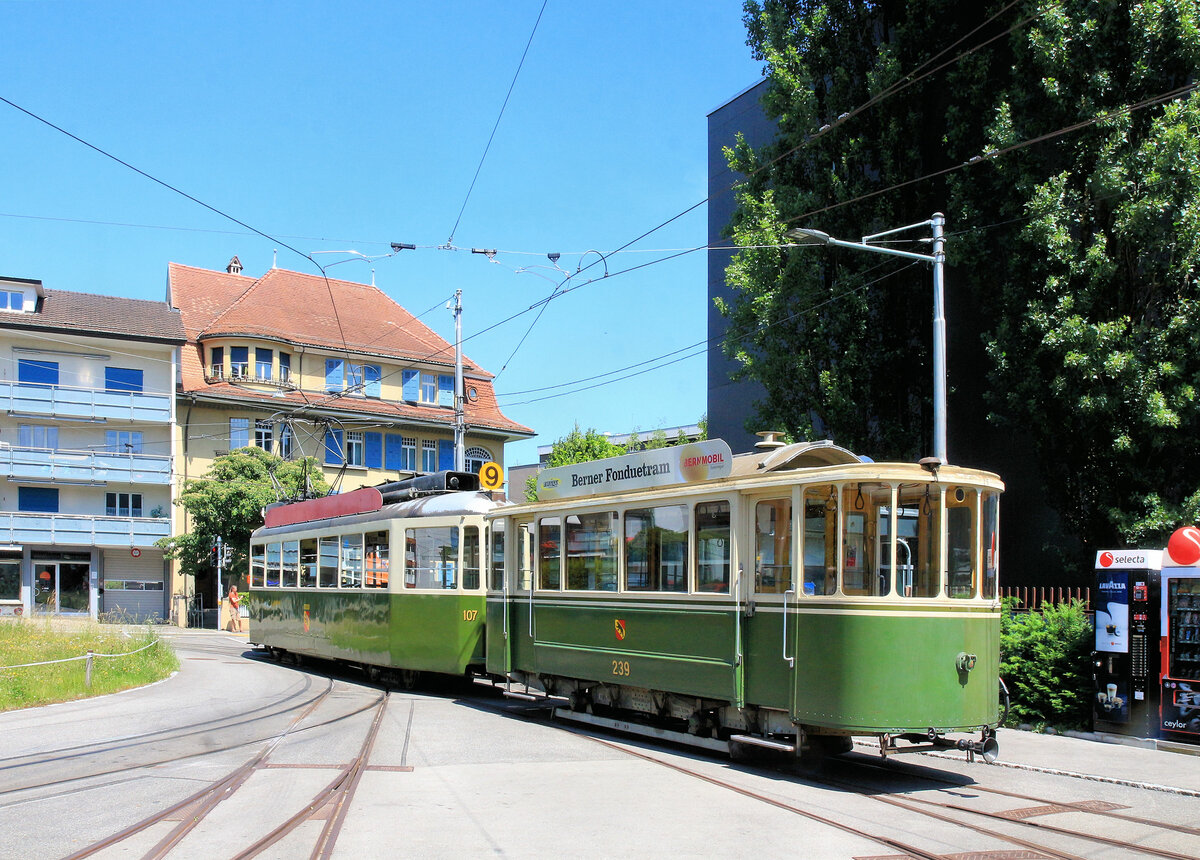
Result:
301,365
86,449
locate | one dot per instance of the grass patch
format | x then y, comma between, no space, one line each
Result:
28,641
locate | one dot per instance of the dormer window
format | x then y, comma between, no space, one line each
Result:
12,300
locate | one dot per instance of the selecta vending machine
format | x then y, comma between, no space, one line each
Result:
1180,642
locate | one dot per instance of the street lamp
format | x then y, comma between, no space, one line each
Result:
938,258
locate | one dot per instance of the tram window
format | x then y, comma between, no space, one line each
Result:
274,551
592,552
712,546
308,563
327,563
962,563
991,544
497,564
773,546
291,564
258,561
863,506
656,549
548,552
433,562
471,557
920,531
352,561
820,540
376,563
525,558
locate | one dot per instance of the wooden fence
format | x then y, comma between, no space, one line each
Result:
1035,597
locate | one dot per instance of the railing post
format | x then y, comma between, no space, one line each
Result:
87,672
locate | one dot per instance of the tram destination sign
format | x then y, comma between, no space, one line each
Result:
660,467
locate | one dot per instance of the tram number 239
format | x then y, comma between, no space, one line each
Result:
470,614
621,668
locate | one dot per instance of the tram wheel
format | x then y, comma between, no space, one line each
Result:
408,678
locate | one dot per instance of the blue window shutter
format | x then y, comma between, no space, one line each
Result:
38,500
393,452
33,372
333,447
333,374
411,385
371,376
445,454
445,391
373,442
122,379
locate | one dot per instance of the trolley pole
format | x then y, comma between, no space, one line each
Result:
460,429
220,570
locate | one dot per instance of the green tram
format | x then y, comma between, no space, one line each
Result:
792,598
325,582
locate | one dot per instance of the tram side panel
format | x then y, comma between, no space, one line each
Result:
437,632
351,626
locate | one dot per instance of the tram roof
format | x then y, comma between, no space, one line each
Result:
440,505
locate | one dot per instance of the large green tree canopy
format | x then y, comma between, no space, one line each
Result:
1062,140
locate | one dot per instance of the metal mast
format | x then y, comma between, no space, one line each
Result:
460,429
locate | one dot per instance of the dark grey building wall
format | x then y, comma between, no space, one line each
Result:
729,404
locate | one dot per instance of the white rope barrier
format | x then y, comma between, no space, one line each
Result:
87,656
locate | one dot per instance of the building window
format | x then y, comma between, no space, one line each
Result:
12,301
408,454
354,448
262,363
239,362
123,504
264,433
216,360
474,458
33,372
429,458
285,367
37,500
122,379
428,388
36,436
123,441
239,433
287,441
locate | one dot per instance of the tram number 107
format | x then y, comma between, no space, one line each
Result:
470,614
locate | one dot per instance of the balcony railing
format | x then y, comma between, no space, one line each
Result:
60,401
74,530
90,466
217,373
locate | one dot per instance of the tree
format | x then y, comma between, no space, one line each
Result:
228,501
578,446
1083,245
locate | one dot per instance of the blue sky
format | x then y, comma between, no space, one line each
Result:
335,126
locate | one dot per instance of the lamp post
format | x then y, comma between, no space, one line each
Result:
938,258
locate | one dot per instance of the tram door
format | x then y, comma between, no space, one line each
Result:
770,587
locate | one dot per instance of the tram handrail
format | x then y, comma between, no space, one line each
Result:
791,661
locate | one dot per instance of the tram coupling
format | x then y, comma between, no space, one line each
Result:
986,747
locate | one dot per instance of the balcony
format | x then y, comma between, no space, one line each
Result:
89,404
238,373
74,530
42,464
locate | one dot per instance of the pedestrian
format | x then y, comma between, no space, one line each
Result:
235,609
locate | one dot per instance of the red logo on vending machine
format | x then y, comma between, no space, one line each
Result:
1106,559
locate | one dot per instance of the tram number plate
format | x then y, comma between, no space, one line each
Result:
470,614
621,668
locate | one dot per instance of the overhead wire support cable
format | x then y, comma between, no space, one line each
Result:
450,242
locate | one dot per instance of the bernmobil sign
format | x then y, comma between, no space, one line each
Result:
1129,559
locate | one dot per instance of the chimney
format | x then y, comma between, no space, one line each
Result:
235,266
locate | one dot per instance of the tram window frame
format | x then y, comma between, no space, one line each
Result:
962,512
258,563
496,532
774,537
549,566
921,504
328,551
471,560
274,560
376,559
820,503
659,538
290,573
350,560
443,573
711,532
861,536
989,535
308,562
591,552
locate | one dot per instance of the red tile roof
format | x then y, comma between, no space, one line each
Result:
300,309
104,316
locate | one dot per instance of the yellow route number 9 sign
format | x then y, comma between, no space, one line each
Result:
491,476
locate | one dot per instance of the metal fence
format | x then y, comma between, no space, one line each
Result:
1037,597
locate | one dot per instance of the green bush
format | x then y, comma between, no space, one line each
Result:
1045,659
